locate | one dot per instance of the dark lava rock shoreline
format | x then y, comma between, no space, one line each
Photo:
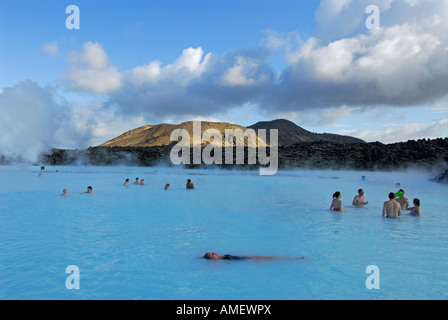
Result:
421,154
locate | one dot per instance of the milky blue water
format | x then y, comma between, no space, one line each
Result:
142,242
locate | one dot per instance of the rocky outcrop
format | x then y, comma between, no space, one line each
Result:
442,178
428,154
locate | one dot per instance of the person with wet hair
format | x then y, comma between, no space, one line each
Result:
415,210
336,204
190,185
359,200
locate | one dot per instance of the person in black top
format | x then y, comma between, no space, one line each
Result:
215,256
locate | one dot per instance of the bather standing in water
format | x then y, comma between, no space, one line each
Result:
391,208
190,185
215,256
64,193
402,200
359,200
336,204
415,211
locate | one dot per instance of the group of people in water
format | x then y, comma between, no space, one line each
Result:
141,182
65,191
392,208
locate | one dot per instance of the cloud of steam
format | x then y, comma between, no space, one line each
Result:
34,119
28,114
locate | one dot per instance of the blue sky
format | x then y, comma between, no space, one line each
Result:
142,62
135,32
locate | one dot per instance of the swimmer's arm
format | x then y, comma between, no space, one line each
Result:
384,210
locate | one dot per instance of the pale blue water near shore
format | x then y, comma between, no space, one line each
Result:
141,242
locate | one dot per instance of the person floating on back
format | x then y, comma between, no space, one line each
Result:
391,208
190,185
215,256
359,200
336,204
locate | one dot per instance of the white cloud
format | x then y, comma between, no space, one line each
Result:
94,80
190,66
93,57
51,48
410,131
90,124
400,65
90,71
244,72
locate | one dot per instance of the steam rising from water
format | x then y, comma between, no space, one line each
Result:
35,118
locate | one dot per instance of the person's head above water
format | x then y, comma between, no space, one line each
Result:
337,194
392,195
416,202
211,256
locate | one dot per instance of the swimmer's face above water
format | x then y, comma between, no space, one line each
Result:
211,255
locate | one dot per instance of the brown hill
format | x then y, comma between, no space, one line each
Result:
159,135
